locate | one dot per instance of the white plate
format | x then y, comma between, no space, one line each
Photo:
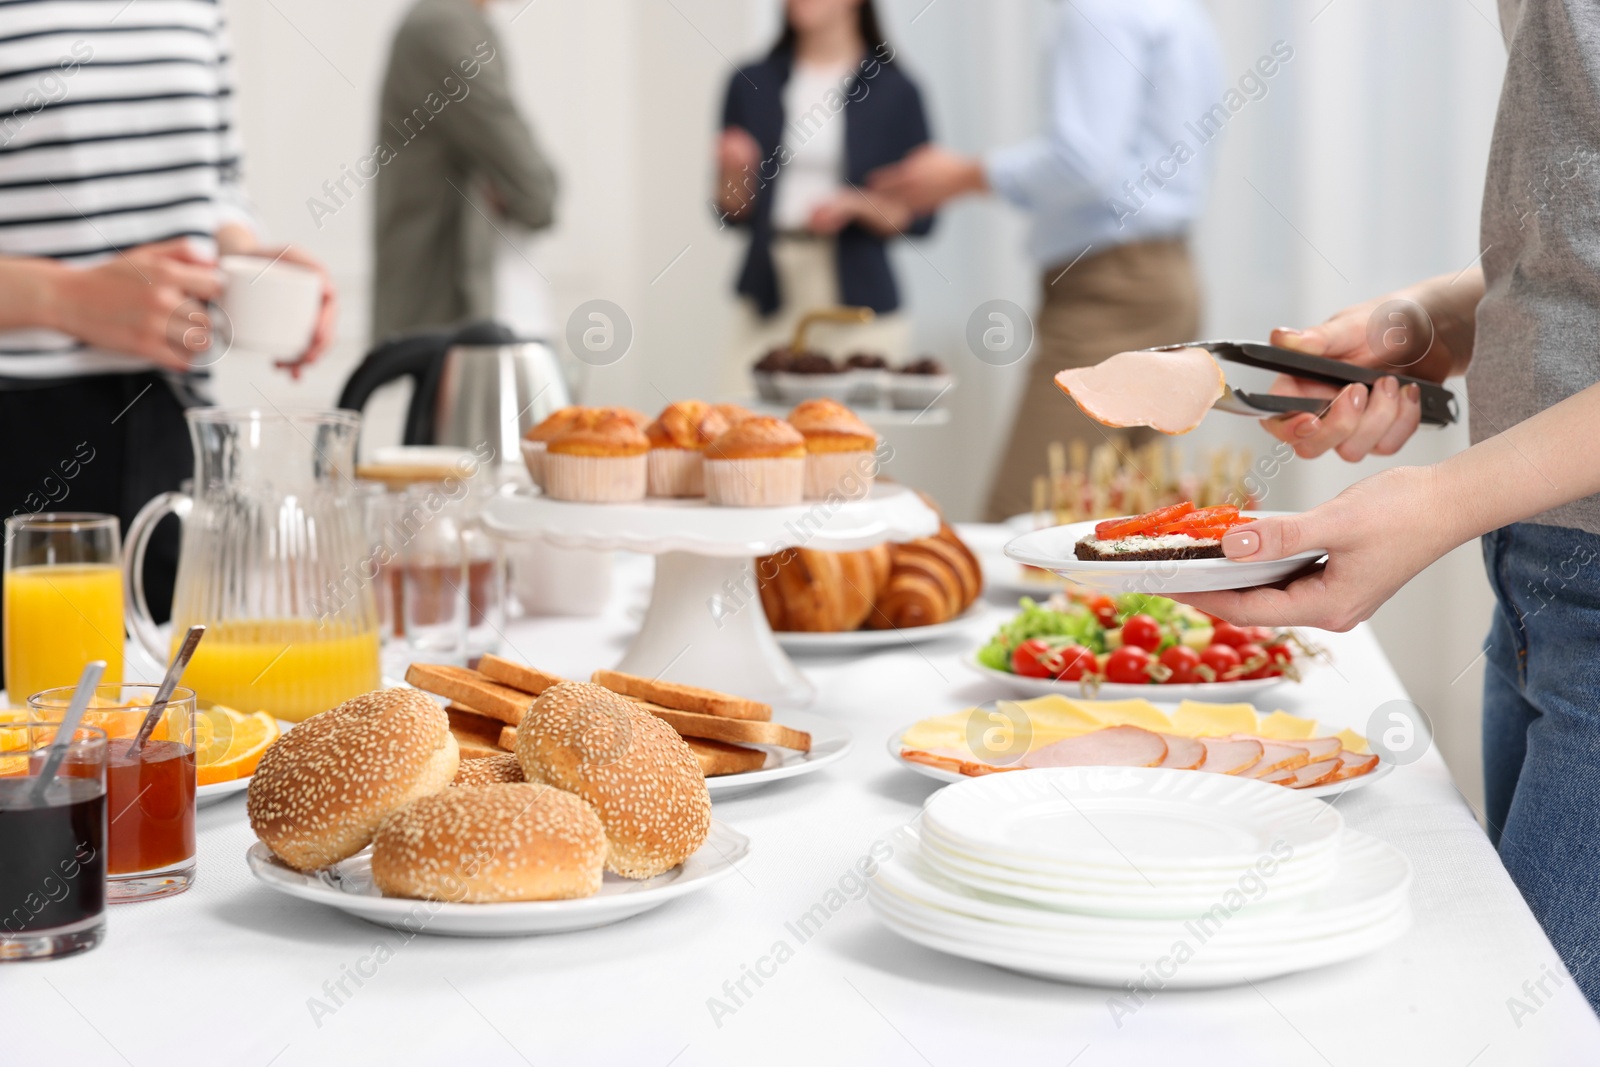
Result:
1371,879
348,887
830,743
209,794
860,640
1215,692
1145,817
939,774
1363,908
1052,549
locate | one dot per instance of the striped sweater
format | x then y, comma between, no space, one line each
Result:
116,130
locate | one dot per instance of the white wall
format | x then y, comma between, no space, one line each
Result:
1368,154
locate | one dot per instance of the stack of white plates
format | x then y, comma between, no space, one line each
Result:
1111,875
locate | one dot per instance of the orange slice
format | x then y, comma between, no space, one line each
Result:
248,737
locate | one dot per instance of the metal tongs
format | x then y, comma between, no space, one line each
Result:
1438,403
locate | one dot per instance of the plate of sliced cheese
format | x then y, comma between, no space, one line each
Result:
1056,731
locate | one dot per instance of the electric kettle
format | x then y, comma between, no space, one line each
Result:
473,385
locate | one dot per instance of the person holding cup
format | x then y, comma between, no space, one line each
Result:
120,197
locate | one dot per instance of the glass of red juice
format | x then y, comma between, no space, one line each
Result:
149,790
52,850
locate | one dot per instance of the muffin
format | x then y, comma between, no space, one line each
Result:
733,414
537,439
602,462
678,440
841,457
761,462
639,419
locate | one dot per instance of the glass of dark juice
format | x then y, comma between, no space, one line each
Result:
52,848
149,788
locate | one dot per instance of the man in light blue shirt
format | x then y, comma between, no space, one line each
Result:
1114,184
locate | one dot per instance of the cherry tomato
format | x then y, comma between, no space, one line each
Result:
1105,611
1037,658
1142,631
1255,658
1181,660
1261,635
1280,652
1027,659
1072,662
1128,665
1226,633
1221,659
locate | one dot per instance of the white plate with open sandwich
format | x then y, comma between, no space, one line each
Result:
1054,549
862,640
830,743
1219,692
348,887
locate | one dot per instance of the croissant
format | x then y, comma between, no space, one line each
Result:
918,583
820,592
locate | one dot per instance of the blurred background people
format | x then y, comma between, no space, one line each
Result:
459,175
1114,185
801,130
119,188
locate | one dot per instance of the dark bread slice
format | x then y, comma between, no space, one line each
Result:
1088,549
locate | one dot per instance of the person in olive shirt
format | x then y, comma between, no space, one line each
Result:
455,162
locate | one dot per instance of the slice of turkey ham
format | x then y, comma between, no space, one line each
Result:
1114,746
1167,391
1354,764
1183,753
1228,756
1318,773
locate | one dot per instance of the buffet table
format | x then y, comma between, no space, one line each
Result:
232,973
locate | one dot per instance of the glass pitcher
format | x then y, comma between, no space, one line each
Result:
274,562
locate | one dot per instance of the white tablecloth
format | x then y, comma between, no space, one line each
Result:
234,974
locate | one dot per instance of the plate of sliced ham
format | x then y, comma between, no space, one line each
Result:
1313,766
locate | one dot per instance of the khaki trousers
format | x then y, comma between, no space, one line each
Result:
1134,296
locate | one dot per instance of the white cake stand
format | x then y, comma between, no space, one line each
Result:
705,624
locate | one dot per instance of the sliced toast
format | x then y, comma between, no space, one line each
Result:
516,675
687,698
471,690
718,758
734,731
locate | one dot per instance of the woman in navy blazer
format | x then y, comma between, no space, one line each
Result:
802,128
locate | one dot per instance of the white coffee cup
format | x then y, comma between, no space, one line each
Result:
268,306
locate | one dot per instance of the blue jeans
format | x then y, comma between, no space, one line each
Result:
1541,732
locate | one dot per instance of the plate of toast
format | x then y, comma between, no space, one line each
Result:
739,746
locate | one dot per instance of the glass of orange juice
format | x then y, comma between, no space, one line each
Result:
63,599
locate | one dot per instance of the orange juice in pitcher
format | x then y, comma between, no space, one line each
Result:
285,666
274,564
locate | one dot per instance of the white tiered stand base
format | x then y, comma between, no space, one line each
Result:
705,625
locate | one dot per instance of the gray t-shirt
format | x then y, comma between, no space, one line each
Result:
1538,332
448,130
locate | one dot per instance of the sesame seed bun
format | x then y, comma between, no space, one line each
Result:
641,778
322,788
487,843
490,770
762,437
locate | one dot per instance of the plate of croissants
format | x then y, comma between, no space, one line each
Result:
889,594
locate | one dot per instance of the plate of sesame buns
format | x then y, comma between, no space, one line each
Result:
600,813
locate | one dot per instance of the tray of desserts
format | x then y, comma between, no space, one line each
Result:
787,376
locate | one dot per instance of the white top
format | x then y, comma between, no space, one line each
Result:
813,136
835,986
116,130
